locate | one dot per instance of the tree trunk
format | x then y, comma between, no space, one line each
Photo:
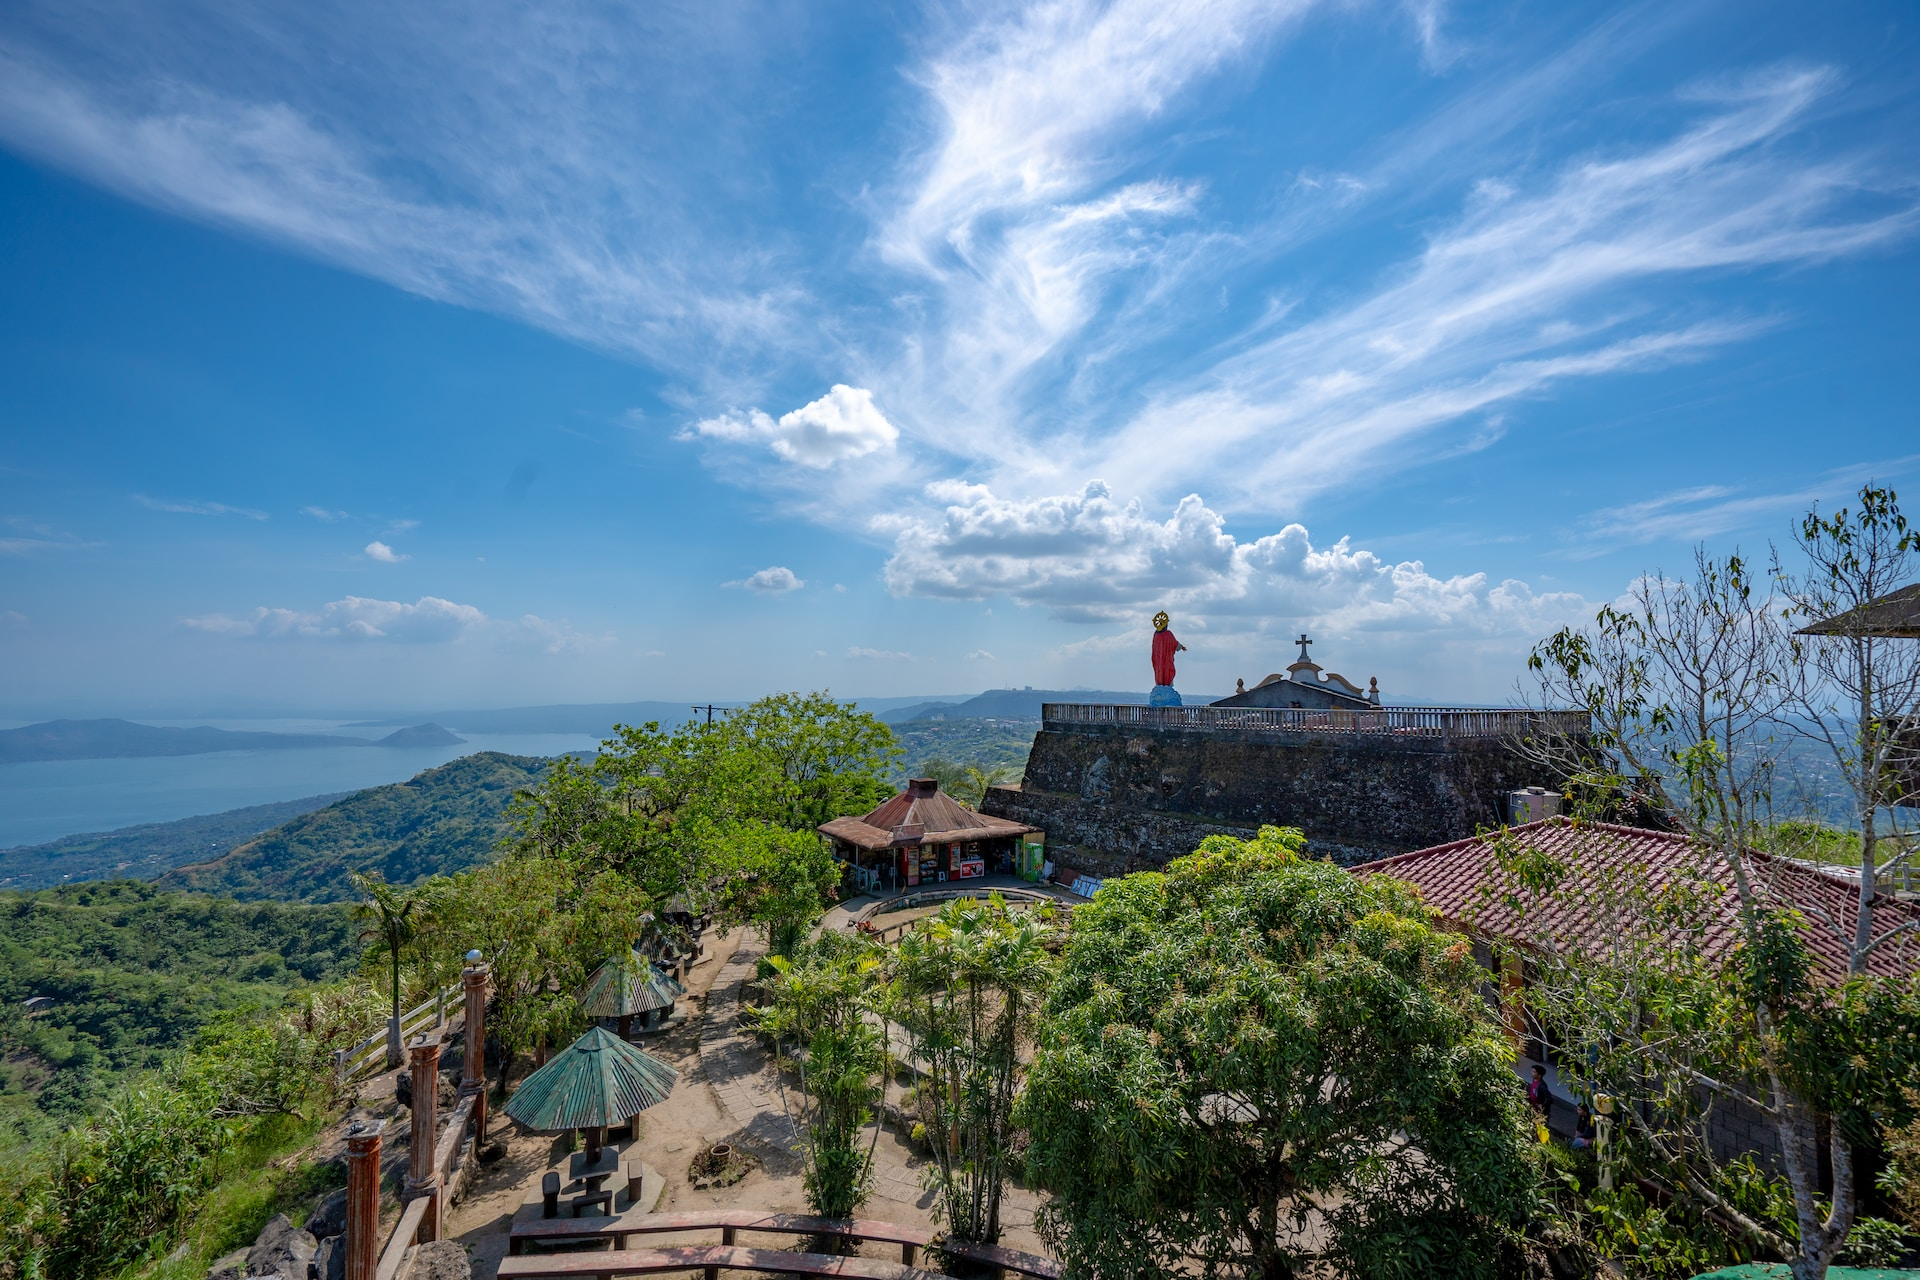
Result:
394,1050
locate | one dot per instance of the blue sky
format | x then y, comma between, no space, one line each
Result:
359,356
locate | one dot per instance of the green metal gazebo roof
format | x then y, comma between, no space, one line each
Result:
626,985
597,1080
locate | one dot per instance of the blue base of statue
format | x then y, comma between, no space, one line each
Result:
1163,696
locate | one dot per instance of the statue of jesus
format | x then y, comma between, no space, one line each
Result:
1165,645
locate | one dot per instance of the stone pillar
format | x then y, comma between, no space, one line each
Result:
422,1180
363,1200
473,1073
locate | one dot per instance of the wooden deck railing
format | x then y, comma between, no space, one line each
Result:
1441,723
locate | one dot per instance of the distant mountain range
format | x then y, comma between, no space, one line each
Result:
120,739
440,821
598,718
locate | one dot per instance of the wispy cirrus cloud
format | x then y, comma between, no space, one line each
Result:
427,620
26,536
415,150
1698,512
1025,266
1536,282
194,508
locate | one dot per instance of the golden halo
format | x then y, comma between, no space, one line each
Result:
1161,620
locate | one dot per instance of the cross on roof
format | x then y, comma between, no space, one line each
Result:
1303,642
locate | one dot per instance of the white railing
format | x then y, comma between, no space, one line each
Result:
354,1062
1399,722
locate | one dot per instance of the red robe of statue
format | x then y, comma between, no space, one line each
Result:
1164,645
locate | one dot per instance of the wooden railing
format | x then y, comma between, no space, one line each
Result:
371,1054
449,1152
1442,723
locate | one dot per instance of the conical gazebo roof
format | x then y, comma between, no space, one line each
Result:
597,1080
626,985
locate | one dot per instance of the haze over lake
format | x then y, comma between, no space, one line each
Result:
44,800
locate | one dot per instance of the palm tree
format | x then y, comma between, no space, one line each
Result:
821,998
389,918
967,984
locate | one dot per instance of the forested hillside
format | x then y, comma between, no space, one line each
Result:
440,821
995,746
149,850
131,972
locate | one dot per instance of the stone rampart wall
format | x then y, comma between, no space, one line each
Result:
1140,796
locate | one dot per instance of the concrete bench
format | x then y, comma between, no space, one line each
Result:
713,1259
732,1221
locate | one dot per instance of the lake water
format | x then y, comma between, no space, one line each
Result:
45,800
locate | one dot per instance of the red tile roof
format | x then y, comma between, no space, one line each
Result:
920,813
1465,885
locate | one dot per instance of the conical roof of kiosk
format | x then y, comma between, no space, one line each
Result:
629,984
597,1080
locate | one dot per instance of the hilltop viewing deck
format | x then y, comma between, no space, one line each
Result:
1444,723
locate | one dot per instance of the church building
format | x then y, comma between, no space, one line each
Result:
1305,686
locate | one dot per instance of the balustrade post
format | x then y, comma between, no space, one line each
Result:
363,1200
473,1075
422,1178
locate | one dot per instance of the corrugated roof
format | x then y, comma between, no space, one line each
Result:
628,985
1465,885
1895,614
599,1079
921,813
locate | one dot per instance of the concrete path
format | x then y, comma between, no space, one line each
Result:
740,1072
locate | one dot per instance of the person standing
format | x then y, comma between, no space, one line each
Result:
1540,1098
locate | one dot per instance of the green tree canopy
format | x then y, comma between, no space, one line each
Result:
966,985
1253,1059
670,808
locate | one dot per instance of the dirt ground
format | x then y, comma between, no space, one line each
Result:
673,1133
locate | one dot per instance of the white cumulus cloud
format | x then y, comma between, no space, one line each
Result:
842,424
775,579
377,550
1089,557
867,655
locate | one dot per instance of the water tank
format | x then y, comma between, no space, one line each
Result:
1532,805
